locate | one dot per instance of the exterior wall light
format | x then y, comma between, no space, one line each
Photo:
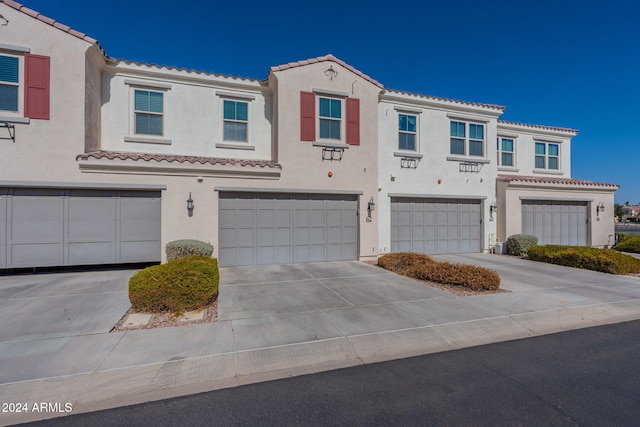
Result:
190,205
371,206
493,208
599,208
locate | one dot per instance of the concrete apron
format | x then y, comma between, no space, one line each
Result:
339,315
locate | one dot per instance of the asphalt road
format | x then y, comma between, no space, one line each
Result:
588,377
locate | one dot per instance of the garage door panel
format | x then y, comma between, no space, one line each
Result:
40,255
436,225
3,230
91,253
291,228
556,222
139,230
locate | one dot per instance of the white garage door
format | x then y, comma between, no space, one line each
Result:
436,226
556,222
57,227
280,228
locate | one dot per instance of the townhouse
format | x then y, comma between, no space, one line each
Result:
105,161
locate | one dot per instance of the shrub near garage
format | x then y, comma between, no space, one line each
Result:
629,244
603,260
183,284
423,267
186,247
518,244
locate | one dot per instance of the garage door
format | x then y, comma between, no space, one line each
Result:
58,227
436,226
556,222
275,228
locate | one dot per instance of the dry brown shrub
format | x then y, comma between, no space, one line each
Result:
423,267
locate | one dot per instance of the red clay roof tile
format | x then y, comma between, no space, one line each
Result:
553,180
118,155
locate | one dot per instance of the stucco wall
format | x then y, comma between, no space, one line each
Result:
437,163
193,116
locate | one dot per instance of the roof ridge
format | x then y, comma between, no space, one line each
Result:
554,180
327,57
52,22
189,70
441,98
122,155
529,125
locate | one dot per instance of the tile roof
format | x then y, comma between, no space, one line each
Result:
558,129
188,70
552,180
325,58
118,155
455,101
40,17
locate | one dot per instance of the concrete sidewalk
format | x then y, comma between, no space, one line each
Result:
274,322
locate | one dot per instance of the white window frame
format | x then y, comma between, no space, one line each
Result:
467,138
143,137
246,122
406,132
11,116
547,156
342,119
500,151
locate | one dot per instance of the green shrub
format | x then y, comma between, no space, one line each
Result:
181,248
423,267
180,285
629,244
620,237
604,260
518,244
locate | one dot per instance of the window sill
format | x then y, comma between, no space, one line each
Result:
16,119
468,159
238,146
408,154
147,140
548,172
508,169
330,145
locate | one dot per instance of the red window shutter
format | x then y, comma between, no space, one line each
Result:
36,87
353,121
307,116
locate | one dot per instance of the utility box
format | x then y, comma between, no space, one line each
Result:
500,248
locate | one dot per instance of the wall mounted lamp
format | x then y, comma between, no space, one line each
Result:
371,206
599,208
493,208
190,205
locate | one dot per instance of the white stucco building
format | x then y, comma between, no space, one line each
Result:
317,161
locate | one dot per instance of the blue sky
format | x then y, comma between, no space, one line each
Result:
552,62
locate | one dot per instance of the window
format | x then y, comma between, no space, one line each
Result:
148,111
9,83
461,144
407,132
547,156
506,149
236,120
330,118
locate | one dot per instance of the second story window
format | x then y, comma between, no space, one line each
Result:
407,132
149,112
330,118
547,156
236,120
506,151
467,139
9,83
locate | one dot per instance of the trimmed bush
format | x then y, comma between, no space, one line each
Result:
604,260
423,267
630,243
185,247
180,285
518,244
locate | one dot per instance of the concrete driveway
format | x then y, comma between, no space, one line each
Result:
275,321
